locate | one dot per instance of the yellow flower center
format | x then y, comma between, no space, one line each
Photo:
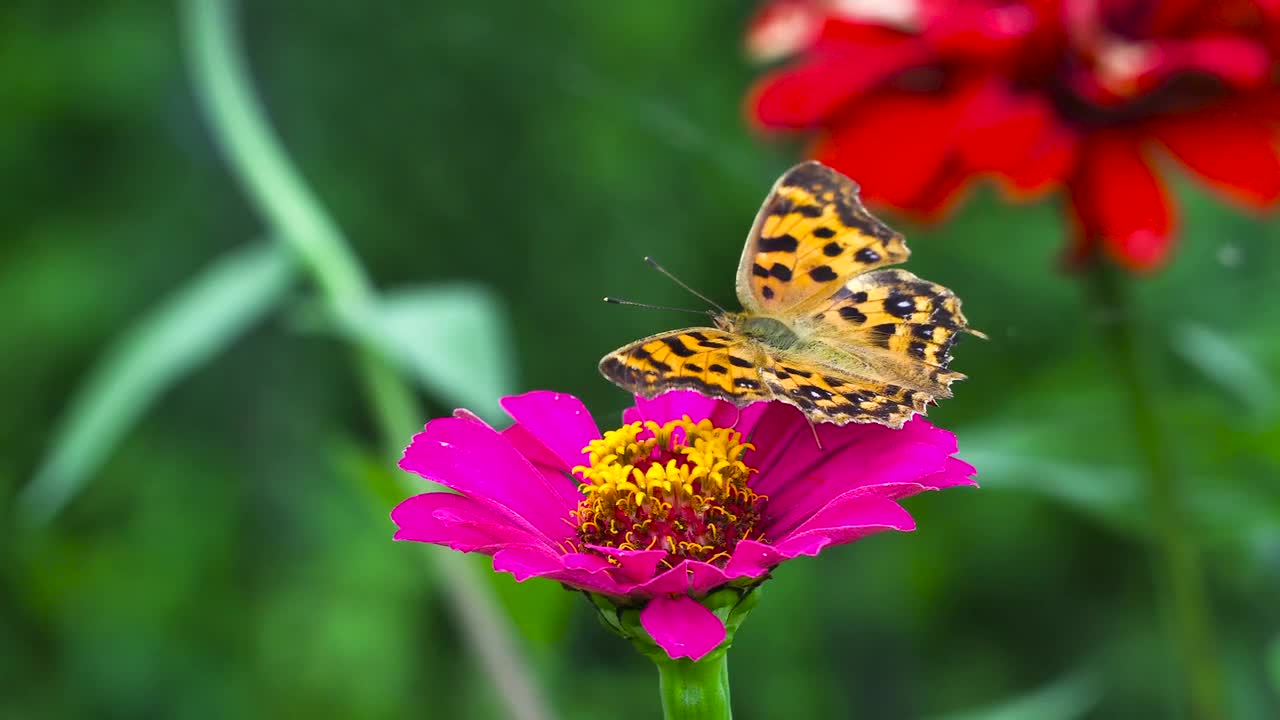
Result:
679,487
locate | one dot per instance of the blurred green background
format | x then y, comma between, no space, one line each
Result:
497,167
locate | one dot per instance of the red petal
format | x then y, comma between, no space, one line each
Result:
808,94
980,31
1016,135
944,192
895,145
1121,202
1232,150
1234,59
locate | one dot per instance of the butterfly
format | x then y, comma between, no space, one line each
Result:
823,327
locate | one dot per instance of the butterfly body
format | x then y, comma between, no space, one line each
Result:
822,327
770,331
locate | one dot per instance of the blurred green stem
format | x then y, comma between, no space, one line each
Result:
695,690
271,182
1183,590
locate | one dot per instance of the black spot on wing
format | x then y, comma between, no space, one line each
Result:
824,233
823,273
678,347
781,243
832,249
899,305
883,333
852,314
780,271
867,256
746,383
811,392
767,292
717,368
759,270
739,362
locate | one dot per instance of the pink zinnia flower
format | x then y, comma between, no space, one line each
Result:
689,495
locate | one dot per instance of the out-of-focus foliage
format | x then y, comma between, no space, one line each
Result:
227,559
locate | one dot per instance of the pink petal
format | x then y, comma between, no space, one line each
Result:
634,566
479,463
918,429
460,523
857,467
526,562
559,421
689,576
682,627
679,403
844,521
955,473
752,559
777,435
586,562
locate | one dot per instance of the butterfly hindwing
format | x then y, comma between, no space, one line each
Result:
900,325
811,235
828,394
710,361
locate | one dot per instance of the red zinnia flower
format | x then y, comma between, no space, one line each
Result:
916,97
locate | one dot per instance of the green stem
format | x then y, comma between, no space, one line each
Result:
1187,611
695,690
299,220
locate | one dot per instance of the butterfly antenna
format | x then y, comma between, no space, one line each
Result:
616,301
654,264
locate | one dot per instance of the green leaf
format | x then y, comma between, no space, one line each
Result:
1070,697
452,339
169,342
1222,361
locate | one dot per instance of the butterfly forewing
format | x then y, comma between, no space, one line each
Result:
711,361
811,235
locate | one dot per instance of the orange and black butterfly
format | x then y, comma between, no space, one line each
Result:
823,327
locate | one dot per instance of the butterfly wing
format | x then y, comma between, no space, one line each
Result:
902,329
850,393
810,236
710,361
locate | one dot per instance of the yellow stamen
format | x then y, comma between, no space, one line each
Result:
680,486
